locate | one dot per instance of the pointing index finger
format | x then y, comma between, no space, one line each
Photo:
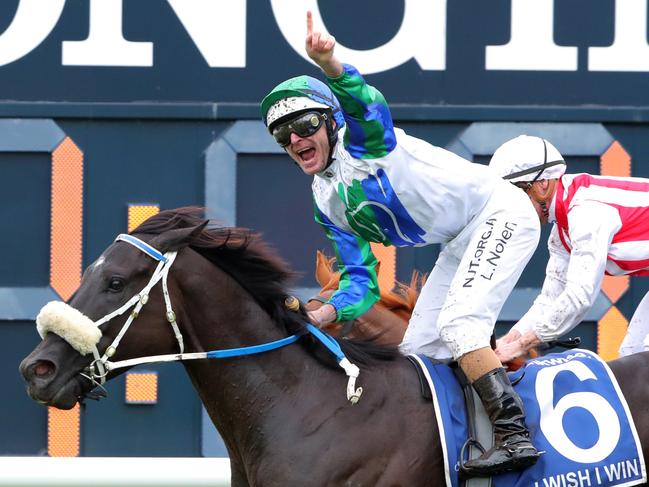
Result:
309,23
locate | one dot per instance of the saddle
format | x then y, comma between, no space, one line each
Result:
575,413
479,428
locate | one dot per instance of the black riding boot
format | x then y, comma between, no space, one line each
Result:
512,448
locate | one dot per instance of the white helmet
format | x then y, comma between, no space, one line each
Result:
292,104
527,158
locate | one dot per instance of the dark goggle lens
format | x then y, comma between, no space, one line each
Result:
304,126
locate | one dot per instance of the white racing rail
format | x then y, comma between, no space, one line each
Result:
111,472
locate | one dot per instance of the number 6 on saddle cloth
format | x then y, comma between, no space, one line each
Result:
574,411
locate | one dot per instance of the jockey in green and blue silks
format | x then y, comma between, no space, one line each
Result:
356,202
374,183
368,207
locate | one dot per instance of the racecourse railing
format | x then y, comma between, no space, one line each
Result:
112,472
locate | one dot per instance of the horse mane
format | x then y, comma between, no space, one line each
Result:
257,267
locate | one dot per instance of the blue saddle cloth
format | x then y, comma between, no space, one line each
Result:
576,415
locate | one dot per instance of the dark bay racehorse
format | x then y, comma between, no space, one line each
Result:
283,414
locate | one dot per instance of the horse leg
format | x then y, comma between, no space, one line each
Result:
238,476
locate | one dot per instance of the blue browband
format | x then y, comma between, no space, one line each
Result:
143,246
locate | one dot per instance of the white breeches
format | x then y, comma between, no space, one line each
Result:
473,276
637,335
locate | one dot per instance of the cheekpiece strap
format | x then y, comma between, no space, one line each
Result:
143,246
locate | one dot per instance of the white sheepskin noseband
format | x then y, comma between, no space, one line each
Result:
70,324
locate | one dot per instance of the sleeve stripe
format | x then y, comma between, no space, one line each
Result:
358,289
370,131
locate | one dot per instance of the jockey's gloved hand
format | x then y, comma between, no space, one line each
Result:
517,347
511,336
324,315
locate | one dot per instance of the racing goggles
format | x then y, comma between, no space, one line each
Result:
305,125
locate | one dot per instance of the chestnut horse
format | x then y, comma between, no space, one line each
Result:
385,322
283,414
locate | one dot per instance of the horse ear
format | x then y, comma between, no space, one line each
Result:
178,238
322,268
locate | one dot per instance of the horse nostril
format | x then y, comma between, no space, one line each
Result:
43,369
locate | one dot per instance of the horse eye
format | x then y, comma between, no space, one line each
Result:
116,284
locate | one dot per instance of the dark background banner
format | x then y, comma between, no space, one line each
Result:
160,97
567,54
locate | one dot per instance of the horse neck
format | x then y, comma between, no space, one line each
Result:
238,392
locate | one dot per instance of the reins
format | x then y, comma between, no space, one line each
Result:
101,365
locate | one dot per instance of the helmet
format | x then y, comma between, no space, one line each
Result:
526,159
299,94
291,105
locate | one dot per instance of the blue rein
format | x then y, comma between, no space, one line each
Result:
327,340
254,349
352,371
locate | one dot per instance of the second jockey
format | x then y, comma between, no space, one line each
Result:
601,227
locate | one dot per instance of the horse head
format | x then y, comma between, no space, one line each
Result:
122,290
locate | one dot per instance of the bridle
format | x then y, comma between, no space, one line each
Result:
101,366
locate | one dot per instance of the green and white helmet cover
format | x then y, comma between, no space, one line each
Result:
297,95
292,104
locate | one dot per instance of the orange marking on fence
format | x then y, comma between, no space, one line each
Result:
614,287
141,388
615,161
610,333
63,431
66,218
137,214
387,257
66,215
